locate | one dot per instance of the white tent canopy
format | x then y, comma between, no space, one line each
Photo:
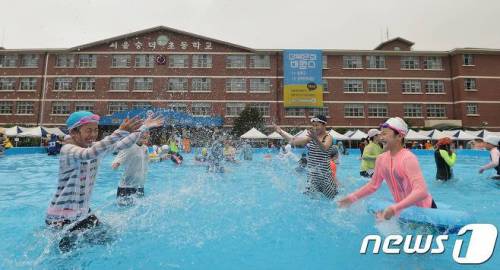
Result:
253,134
35,132
415,136
13,131
358,135
349,133
436,135
464,136
55,131
275,136
426,133
337,136
451,133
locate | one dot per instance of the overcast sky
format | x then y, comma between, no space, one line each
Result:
260,24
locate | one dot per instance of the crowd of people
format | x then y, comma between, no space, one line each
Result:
383,157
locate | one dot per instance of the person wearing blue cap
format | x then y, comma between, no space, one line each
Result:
78,165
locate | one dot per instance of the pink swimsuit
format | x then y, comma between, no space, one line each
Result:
404,178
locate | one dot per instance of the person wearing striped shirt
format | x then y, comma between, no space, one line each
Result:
320,144
78,165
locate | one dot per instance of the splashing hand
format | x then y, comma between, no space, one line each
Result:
151,122
131,125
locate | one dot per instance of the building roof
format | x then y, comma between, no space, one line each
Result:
154,29
400,39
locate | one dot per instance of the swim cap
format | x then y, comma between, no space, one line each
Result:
80,118
397,124
443,141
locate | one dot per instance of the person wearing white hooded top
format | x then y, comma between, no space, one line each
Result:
491,143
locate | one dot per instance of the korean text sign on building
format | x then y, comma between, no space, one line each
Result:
303,78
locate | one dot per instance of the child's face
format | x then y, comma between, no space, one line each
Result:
389,138
86,135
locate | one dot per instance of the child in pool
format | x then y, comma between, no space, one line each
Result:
400,169
492,144
135,159
78,165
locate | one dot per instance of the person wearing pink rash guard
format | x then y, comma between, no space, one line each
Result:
401,171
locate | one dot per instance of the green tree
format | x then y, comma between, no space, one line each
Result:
249,118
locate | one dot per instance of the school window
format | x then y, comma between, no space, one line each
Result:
115,107
29,60
354,110
178,61
84,106
65,60
6,107
377,86
260,85
201,109
141,105
434,86
61,107
28,84
325,85
202,61
144,61
85,84
7,83
178,107
413,110
436,110
352,61
8,60
470,84
433,63
120,61
234,109
318,111
236,85
295,112
236,61
201,84
468,60
143,84
375,61
262,108
353,86
260,61
63,84
87,61
472,109
24,107
410,62
411,86
177,84
119,84
378,110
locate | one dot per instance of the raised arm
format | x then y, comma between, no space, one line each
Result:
291,139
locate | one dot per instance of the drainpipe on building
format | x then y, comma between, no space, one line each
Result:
42,99
450,66
44,89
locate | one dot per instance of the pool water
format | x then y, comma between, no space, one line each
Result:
254,216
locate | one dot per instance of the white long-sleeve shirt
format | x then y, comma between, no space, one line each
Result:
495,159
135,161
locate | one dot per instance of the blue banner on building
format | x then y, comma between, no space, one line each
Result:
303,80
172,118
